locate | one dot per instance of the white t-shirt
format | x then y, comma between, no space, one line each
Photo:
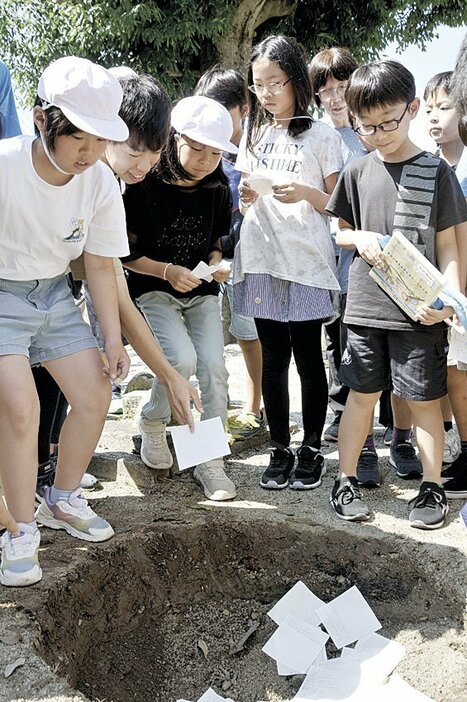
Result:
43,227
289,241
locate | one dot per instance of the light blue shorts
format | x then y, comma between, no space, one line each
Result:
241,327
39,320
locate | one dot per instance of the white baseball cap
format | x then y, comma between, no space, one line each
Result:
87,94
204,120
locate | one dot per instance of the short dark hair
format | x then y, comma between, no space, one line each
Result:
56,124
170,169
290,56
145,109
223,85
379,83
336,62
441,81
459,90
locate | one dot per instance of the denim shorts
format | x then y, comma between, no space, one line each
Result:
39,320
415,361
243,328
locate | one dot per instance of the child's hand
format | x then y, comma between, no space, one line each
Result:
247,194
180,394
367,245
7,521
223,273
181,279
290,192
428,316
118,360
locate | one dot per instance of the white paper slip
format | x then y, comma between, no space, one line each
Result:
295,644
204,271
260,182
378,656
348,618
336,680
458,346
347,654
208,441
284,670
299,602
211,696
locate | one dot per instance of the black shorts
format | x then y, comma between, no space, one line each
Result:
415,361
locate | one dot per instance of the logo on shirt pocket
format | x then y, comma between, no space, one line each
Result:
76,232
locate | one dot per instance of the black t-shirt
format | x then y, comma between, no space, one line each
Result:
419,197
180,225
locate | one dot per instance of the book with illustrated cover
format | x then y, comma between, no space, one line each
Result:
409,279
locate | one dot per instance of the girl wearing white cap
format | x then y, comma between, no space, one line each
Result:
174,219
57,200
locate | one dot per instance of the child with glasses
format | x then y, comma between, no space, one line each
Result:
330,71
284,266
397,186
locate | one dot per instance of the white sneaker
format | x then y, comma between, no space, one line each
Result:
20,559
452,446
74,516
211,477
155,452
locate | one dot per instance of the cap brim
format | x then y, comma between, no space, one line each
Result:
111,129
202,139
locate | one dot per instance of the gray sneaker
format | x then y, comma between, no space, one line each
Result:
429,507
20,562
348,502
211,477
368,473
155,452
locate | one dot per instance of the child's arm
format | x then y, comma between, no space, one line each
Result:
7,521
247,195
103,289
295,191
366,243
461,240
448,263
179,277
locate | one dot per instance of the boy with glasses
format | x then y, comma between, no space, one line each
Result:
395,187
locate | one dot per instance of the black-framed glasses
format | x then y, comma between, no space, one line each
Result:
327,94
272,88
390,126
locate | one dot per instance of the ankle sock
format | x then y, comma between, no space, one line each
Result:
56,495
399,435
447,426
370,442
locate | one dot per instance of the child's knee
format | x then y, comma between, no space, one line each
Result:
21,412
185,362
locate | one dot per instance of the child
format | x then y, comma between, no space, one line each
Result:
330,71
442,123
396,186
56,200
175,218
284,269
228,87
145,109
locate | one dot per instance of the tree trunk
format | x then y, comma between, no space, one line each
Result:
234,47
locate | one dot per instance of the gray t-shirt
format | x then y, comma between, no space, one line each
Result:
419,197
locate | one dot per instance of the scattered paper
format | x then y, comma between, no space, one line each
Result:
296,644
378,656
211,696
336,680
205,271
348,618
208,441
399,689
299,602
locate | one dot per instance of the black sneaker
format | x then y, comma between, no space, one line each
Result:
368,473
455,468
331,433
404,459
387,438
276,475
429,508
347,501
309,470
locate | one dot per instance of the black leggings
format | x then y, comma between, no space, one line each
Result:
53,409
278,341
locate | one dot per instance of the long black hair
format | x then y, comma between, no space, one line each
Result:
289,55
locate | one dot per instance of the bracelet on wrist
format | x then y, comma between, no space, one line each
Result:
164,275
